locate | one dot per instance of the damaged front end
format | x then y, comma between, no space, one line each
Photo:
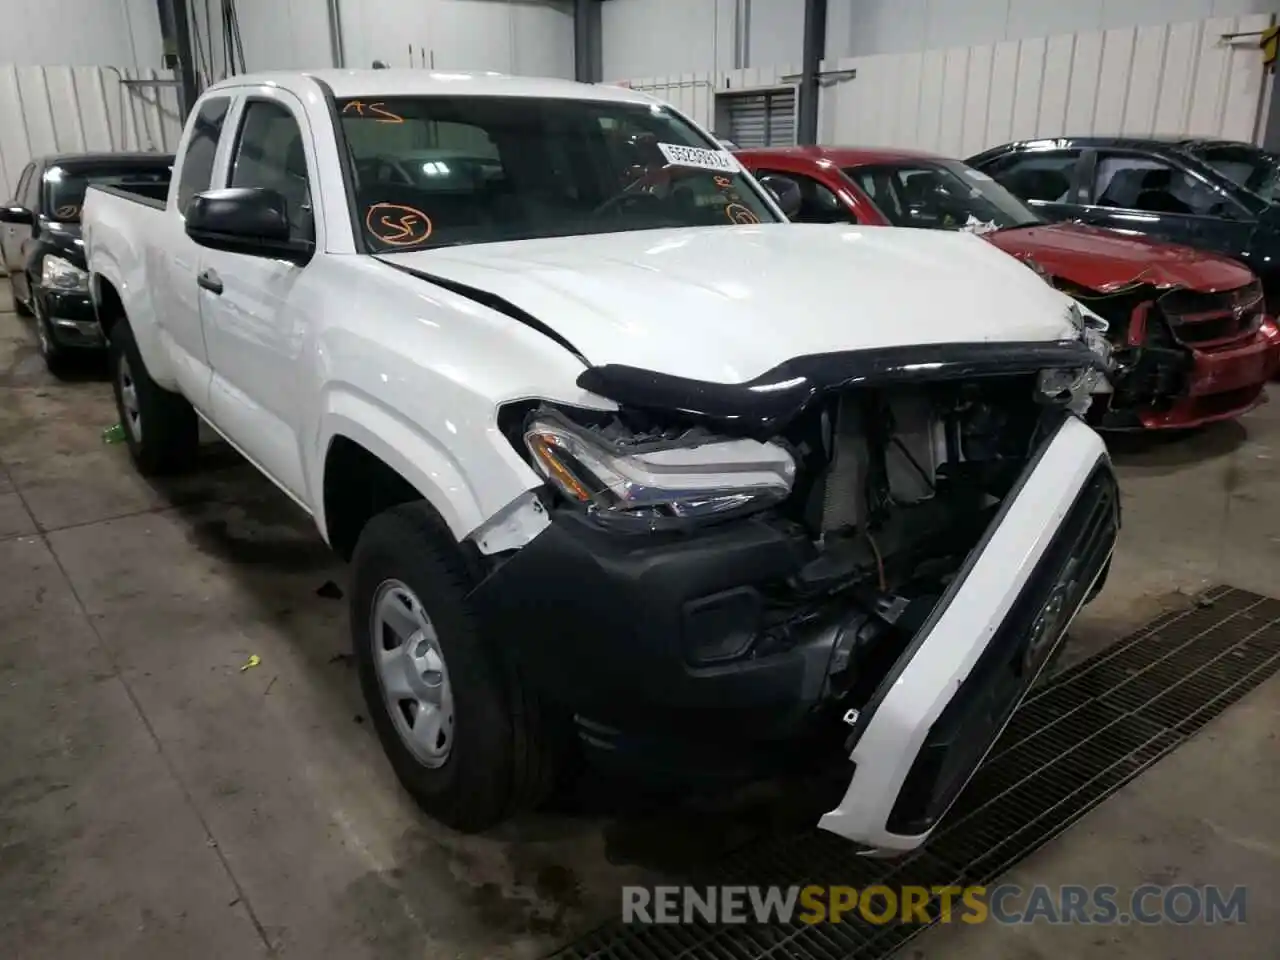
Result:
1182,357
876,551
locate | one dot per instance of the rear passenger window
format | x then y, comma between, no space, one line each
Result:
1037,176
1135,182
197,162
270,154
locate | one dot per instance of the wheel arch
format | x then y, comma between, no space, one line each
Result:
371,461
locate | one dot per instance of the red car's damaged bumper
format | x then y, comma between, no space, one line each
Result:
1215,381
1224,383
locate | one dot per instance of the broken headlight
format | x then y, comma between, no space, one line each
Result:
684,480
1074,388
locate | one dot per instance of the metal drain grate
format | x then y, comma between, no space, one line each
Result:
1074,742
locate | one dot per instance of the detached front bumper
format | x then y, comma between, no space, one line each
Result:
71,317
942,706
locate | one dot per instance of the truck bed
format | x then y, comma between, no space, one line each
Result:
149,194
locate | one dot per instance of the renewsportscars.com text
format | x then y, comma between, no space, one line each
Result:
1003,904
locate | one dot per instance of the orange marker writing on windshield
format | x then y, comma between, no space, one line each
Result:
397,225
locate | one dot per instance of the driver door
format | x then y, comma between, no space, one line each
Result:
255,309
13,236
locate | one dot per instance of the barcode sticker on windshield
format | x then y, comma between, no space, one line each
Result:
718,160
976,174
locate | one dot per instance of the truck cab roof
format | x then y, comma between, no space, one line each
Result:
421,83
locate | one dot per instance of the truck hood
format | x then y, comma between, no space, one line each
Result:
1105,260
725,304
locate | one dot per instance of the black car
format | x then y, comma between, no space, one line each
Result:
1217,195
41,246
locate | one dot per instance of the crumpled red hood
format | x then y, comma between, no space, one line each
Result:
1105,260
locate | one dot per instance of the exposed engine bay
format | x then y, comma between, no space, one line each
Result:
904,483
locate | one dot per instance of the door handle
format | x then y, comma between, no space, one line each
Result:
209,280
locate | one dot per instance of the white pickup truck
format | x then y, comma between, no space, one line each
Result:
623,462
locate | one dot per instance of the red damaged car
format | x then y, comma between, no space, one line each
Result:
1193,343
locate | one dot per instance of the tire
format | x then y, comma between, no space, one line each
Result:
502,747
56,356
160,427
20,308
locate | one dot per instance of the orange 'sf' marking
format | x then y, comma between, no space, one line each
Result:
397,225
737,213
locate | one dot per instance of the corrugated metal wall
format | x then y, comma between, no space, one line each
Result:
1177,78
694,93
84,32
56,109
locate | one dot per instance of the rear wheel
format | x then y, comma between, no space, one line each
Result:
465,737
160,427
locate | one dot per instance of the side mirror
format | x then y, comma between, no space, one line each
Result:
249,220
785,192
12,213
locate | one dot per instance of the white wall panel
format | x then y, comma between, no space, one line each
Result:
124,33
1004,88
526,37
521,37
70,109
275,34
857,28
1029,89
1177,78
693,94
647,38
776,34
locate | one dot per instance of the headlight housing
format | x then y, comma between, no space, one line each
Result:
695,478
1074,389
63,276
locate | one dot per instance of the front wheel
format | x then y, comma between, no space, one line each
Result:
20,308
468,741
55,355
160,427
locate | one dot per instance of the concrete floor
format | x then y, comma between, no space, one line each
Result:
156,800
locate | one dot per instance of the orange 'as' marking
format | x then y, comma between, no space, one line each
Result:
378,111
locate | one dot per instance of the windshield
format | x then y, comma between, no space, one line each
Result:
941,195
1246,166
65,186
437,171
